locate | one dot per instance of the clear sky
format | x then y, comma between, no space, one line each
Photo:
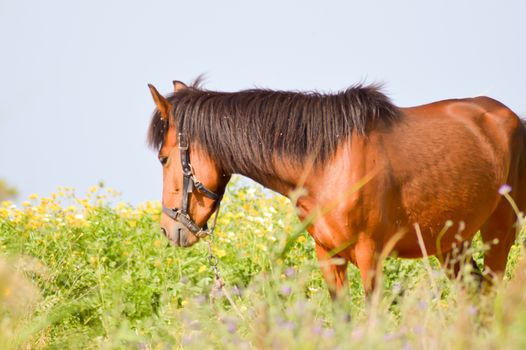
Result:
74,103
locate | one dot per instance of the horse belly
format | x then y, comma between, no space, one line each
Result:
445,174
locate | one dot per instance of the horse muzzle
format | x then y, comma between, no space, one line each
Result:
179,235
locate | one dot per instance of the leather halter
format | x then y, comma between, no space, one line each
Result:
190,182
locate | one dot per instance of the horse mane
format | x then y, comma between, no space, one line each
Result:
244,131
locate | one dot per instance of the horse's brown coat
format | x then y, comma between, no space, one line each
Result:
440,162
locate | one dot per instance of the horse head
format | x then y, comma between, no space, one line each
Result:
193,184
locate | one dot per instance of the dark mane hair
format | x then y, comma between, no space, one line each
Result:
245,131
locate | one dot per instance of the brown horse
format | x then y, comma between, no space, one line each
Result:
439,165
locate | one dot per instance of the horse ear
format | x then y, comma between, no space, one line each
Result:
179,85
162,103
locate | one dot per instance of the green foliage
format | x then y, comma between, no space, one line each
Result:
89,273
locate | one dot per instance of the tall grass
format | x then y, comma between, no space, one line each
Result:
92,273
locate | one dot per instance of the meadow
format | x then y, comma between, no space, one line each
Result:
90,272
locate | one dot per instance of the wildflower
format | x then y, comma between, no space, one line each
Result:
33,196
472,310
220,253
504,189
231,327
357,333
262,247
328,333
6,204
317,328
290,272
236,291
285,290
301,239
397,288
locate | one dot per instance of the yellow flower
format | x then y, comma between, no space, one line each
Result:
202,269
26,204
6,204
262,247
45,201
33,196
84,202
301,239
220,253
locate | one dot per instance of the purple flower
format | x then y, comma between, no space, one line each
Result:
236,291
187,340
504,189
230,323
290,272
285,290
328,333
317,328
472,310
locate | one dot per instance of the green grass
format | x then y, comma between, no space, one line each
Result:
91,273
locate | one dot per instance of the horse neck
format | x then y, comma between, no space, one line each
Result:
284,178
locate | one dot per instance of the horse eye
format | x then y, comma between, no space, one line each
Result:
163,160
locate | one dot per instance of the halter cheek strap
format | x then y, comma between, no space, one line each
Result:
190,182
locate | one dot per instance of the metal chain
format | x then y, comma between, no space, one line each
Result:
219,285
213,261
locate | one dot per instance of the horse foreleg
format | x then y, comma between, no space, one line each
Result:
365,253
334,272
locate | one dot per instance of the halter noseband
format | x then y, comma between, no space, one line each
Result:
190,182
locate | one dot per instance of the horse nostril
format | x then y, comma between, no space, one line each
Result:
163,230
